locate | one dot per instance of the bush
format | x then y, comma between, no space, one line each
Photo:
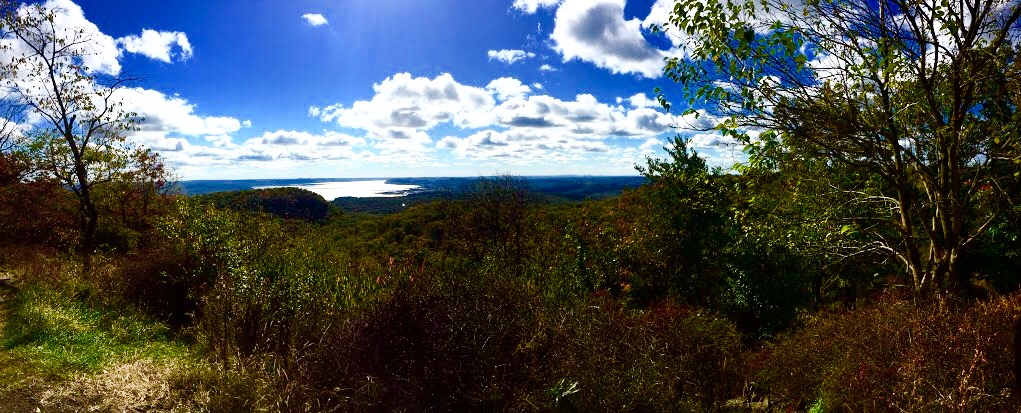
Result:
38,213
666,358
487,341
895,355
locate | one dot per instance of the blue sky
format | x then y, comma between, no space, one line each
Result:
386,88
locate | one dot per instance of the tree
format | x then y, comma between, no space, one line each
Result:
79,133
914,102
693,212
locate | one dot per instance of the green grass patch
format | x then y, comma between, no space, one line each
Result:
62,334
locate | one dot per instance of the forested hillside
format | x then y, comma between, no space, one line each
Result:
864,258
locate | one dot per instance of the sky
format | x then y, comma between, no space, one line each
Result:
394,88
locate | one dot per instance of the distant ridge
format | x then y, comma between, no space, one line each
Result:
574,187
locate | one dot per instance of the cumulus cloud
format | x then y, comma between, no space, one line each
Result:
595,31
279,149
508,87
659,15
509,56
505,121
170,114
651,144
158,45
521,147
531,6
170,125
547,68
639,100
417,103
315,19
165,121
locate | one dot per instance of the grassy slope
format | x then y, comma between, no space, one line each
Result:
62,350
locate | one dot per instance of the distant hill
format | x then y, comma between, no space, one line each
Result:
574,188
552,188
292,203
201,187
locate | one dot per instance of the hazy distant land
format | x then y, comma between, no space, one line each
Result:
567,187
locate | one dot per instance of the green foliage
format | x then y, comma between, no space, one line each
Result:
691,221
387,205
707,249
922,132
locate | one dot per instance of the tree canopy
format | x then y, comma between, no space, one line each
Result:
913,104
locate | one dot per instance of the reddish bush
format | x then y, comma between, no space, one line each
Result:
38,212
895,355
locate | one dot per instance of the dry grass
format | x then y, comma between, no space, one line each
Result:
140,385
64,352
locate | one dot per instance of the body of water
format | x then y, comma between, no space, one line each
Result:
357,189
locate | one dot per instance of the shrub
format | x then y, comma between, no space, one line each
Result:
38,213
896,355
666,358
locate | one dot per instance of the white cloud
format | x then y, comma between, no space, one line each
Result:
508,87
404,108
412,120
547,68
315,19
173,115
522,147
282,149
639,100
157,45
651,144
531,6
537,86
711,140
222,141
660,13
509,56
503,121
420,103
102,53
595,31
191,141
298,146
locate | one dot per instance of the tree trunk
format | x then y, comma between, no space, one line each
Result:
88,214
